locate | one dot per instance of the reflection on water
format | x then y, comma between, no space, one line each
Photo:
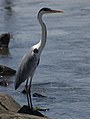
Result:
9,17
8,5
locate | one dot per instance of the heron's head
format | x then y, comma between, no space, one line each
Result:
48,10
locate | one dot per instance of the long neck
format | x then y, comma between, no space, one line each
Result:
42,42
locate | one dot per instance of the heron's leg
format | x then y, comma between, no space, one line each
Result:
27,93
30,94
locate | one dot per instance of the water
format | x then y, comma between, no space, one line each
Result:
64,71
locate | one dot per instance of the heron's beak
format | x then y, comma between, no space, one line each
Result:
56,11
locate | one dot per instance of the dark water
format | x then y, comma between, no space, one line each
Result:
64,71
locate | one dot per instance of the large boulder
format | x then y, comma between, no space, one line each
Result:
9,108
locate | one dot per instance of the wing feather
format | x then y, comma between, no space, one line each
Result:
27,68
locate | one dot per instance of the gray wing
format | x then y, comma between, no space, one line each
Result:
27,68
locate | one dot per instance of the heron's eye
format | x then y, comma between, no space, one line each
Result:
35,50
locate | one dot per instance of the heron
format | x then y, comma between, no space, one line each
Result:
31,59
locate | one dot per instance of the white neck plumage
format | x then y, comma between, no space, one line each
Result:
42,42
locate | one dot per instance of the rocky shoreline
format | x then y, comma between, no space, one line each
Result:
9,108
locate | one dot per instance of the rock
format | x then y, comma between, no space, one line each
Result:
4,83
7,103
4,51
12,115
26,110
6,71
38,95
4,40
34,94
9,108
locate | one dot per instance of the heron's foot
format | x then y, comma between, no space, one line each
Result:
41,109
30,107
26,110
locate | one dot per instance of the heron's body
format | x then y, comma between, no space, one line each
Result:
31,60
27,67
